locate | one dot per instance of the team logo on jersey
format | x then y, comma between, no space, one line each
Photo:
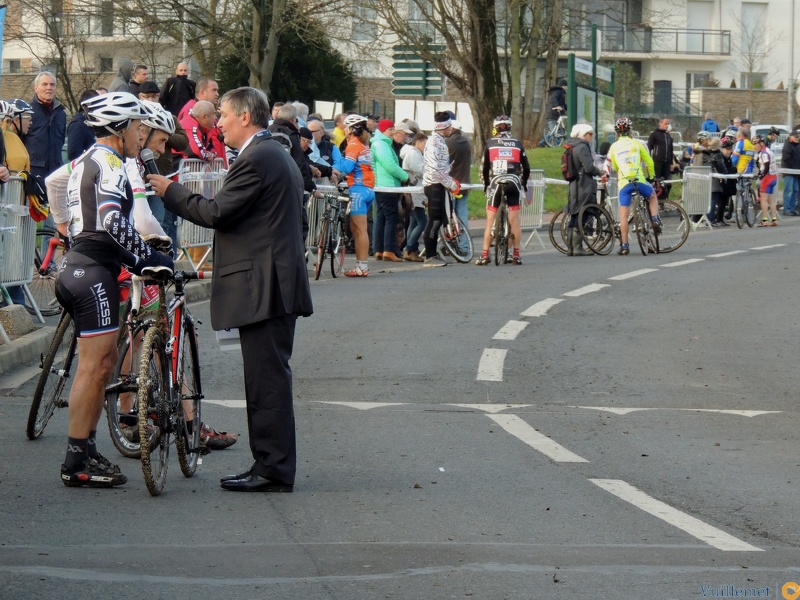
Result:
78,273
113,161
505,153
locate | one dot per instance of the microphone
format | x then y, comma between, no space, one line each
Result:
149,161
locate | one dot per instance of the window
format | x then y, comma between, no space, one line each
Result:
699,79
364,23
14,66
758,81
107,19
106,64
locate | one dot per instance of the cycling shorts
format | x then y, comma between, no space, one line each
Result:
512,198
626,192
768,183
361,199
89,292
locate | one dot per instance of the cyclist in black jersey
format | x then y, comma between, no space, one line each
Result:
100,201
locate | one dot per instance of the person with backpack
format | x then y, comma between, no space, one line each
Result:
578,167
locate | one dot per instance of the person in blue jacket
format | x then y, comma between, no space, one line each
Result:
80,136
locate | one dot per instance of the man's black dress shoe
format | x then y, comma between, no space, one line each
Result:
256,483
239,476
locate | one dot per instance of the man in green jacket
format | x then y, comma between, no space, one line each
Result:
388,173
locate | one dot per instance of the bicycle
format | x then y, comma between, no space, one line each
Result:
745,201
48,252
559,222
169,376
503,239
556,132
454,237
332,237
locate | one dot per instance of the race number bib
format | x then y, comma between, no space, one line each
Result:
499,167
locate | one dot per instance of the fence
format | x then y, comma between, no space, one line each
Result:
697,194
205,178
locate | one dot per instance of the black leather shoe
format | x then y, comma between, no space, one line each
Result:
256,483
238,476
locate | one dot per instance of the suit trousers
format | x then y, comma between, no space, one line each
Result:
266,351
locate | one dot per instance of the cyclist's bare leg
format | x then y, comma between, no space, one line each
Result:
653,205
487,233
624,213
358,226
516,230
98,355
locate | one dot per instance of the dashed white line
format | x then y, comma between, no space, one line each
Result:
691,525
491,366
680,263
510,330
723,254
491,408
767,247
587,289
723,411
363,405
540,308
539,442
632,274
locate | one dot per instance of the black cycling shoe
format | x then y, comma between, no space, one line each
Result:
624,250
93,474
107,463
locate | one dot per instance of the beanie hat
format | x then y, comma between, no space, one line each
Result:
385,124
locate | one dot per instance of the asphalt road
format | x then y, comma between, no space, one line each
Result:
620,427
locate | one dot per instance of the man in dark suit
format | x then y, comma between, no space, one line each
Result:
260,282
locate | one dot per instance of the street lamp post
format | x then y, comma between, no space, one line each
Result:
790,112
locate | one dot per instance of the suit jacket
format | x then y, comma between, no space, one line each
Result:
259,255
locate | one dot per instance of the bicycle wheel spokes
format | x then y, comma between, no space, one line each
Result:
122,401
154,424
740,209
558,231
188,390
52,384
750,207
597,227
675,226
338,244
456,239
642,229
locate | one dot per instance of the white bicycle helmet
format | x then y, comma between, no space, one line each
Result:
113,111
158,117
351,120
18,106
502,124
6,109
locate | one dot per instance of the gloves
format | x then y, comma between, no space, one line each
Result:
651,181
156,266
457,188
162,243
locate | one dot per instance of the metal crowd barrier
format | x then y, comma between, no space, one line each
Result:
202,177
532,209
697,194
17,243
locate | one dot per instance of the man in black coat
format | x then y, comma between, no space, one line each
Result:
177,90
790,159
661,149
260,283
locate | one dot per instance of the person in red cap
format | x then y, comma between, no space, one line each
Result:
388,173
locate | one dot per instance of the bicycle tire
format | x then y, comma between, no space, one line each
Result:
43,285
739,209
454,244
559,240
750,207
500,234
188,389
559,136
322,248
642,229
154,411
675,226
596,225
56,367
338,245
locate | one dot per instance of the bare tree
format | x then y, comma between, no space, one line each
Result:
752,47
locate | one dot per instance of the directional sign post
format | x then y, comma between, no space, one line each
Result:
414,76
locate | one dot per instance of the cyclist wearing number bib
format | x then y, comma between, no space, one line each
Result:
357,165
503,155
627,156
768,174
743,152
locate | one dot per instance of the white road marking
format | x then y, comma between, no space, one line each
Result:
680,263
491,366
491,408
539,442
226,403
625,276
587,289
510,330
540,308
767,247
724,411
723,254
691,525
364,405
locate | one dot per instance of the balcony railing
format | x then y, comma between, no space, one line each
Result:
645,39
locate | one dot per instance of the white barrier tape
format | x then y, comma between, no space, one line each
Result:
736,176
789,171
555,181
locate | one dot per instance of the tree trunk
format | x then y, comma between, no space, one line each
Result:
271,46
551,62
515,62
